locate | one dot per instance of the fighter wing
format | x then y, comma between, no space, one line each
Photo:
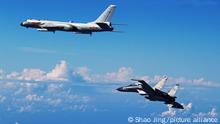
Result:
173,90
146,88
161,83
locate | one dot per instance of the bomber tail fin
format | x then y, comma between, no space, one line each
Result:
107,14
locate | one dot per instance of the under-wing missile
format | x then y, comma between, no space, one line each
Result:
43,30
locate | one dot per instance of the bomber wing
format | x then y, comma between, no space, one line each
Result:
52,26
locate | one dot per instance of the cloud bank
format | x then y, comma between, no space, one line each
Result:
187,111
33,89
61,72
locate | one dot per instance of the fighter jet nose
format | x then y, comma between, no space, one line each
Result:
22,24
119,89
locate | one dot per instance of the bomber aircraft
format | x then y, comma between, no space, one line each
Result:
101,24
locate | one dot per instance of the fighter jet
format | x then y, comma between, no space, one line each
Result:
154,94
101,24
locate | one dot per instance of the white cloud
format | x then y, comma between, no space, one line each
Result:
50,96
59,72
187,112
188,106
12,75
123,74
54,87
54,102
34,97
182,80
32,74
29,86
26,108
1,73
18,91
170,112
34,89
213,113
50,91
83,72
146,78
197,81
8,85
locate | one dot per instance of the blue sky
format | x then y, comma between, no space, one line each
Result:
175,38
